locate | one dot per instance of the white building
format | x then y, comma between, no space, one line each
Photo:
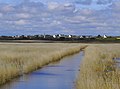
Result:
81,37
104,36
70,36
54,36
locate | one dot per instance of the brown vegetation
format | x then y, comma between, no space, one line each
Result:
98,70
17,59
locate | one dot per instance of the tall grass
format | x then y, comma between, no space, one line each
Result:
17,59
98,70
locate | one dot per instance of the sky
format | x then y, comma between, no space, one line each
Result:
78,17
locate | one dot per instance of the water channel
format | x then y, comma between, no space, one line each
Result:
58,75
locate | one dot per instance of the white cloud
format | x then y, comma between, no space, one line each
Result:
23,15
1,15
53,5
21,22
7,8
52,16
56,7
86,11
76,19
116,6
55,22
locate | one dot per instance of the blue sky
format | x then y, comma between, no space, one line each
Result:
80,17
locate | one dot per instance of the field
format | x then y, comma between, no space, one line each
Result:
19,58
98,69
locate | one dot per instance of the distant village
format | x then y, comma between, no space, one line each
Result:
58,37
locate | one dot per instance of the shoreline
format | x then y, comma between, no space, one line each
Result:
37,64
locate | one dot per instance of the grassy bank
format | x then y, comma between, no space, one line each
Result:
98,69
17,59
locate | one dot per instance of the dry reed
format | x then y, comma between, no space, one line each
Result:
98,70
17,59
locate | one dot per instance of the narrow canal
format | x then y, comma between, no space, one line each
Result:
59,75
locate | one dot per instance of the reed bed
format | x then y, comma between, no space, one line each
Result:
18,59
98,69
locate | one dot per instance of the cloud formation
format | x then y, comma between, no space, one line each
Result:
53,18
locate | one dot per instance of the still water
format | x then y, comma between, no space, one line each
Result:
117,61
59,75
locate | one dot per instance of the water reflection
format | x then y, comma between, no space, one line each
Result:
59,75
117,61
